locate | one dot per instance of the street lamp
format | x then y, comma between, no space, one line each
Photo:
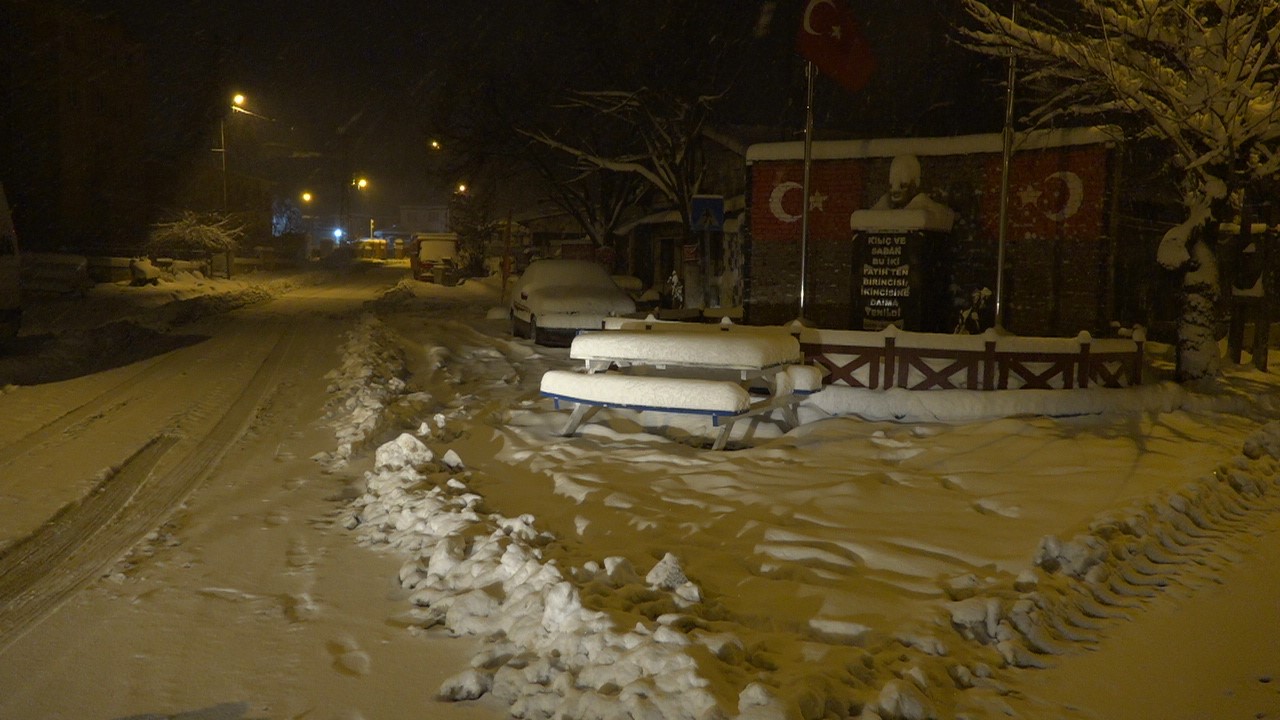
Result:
237,105
237,101
360,183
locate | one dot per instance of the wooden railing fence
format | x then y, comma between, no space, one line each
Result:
921,361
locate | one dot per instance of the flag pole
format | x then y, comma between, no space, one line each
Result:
808,162
1006,160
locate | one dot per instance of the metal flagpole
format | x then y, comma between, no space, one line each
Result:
808,161
1005,161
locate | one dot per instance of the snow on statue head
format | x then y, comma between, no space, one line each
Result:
904,180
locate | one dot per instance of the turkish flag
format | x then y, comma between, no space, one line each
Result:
1051,194
832,40
777,199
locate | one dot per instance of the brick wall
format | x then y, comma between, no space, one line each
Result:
1057,252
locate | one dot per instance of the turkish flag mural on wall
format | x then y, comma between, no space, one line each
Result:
1059,193
777,199
831,38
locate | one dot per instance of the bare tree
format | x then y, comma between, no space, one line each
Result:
191,234
1201,76
667,149
585,93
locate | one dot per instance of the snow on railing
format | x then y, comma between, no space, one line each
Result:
937,361
991,361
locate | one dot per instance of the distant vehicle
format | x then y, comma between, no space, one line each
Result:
10,271
433,257
555,299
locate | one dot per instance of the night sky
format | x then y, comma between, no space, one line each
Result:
348,81
335,79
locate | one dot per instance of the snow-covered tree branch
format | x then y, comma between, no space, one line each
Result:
667,140
195,234
1201,76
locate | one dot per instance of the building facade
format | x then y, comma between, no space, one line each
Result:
1060,249
72,128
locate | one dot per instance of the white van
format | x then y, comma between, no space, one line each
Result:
10,265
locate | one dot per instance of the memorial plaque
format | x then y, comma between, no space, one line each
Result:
899,279
885,273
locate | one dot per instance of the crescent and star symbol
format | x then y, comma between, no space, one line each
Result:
1030,195
808,13
817,201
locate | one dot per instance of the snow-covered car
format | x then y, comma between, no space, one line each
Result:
555,299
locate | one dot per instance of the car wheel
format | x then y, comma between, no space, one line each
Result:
534,334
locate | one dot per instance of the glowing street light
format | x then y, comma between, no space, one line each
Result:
237,105
306,197
236,101
360,183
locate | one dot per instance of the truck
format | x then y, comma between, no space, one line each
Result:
433,257
10,270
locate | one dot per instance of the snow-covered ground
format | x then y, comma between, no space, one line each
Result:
932,555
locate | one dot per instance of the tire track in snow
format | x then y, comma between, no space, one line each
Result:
1176,543
41,572
34,573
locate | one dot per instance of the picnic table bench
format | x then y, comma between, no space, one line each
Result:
726,376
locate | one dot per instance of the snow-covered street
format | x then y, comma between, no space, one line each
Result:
380,474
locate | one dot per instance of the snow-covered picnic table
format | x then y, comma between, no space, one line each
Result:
724,375
747,354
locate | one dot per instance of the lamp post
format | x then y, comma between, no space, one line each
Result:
308,223
237,101
237,106
360,183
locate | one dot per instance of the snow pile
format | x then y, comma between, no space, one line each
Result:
367,382
1123,559
480,573
951,406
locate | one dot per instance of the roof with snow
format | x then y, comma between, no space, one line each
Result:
958,145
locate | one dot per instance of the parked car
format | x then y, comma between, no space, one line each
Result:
556,299
433,257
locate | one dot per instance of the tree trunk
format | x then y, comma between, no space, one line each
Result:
1266,303
1198,355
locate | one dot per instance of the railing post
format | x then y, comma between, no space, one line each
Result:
1140,340
1082,366
890,357
989,359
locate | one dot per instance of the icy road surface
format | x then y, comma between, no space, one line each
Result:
173,455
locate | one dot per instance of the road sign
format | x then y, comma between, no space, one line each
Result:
707,212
